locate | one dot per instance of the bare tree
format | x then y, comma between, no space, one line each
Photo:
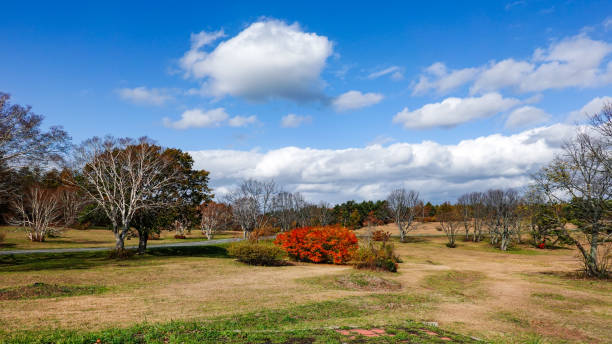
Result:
214,217
324,214
581,176
403,206
477,207
463,203
284,210
502,213
71,202
37,212
301,209
252,203
450,219
22,142
123,176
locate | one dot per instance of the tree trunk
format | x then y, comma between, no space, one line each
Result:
402,232
118,242
120,239
143,236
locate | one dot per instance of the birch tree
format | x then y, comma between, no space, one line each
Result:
403,207
252,203
464,209
451,220
214,217
37,211
502,209
122,176
285,210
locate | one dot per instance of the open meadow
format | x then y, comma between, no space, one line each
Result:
315,172
471,291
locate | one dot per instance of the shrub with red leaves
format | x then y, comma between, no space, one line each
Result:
327,244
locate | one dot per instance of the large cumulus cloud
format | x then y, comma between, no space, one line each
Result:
439,172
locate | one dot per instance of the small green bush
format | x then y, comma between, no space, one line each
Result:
376,256
257,253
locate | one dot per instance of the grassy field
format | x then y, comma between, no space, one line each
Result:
70,238
201,295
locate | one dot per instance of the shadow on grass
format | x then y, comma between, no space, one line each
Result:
86,260
72,241
211,251
414,239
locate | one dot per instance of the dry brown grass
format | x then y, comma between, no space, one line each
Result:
471,289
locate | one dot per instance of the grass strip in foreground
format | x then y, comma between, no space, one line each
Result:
307,323
193,332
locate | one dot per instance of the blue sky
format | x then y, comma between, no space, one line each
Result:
460,81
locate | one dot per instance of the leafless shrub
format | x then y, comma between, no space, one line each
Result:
37,212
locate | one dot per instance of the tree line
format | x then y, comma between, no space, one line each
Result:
135,185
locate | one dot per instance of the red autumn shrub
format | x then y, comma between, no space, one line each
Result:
328,244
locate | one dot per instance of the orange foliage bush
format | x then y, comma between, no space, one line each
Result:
327,244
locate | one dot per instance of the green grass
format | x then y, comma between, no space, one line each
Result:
572,281
93,237
44,290
370,281
461,284
287,325
86,260
512,318
549,296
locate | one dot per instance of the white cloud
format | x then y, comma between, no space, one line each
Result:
454,111
395,72
502,74
526,116
144,95
204,38
576,61
589,109
268,59
438,78
352,100
198,118
439,172
293,121
607,23
241,121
